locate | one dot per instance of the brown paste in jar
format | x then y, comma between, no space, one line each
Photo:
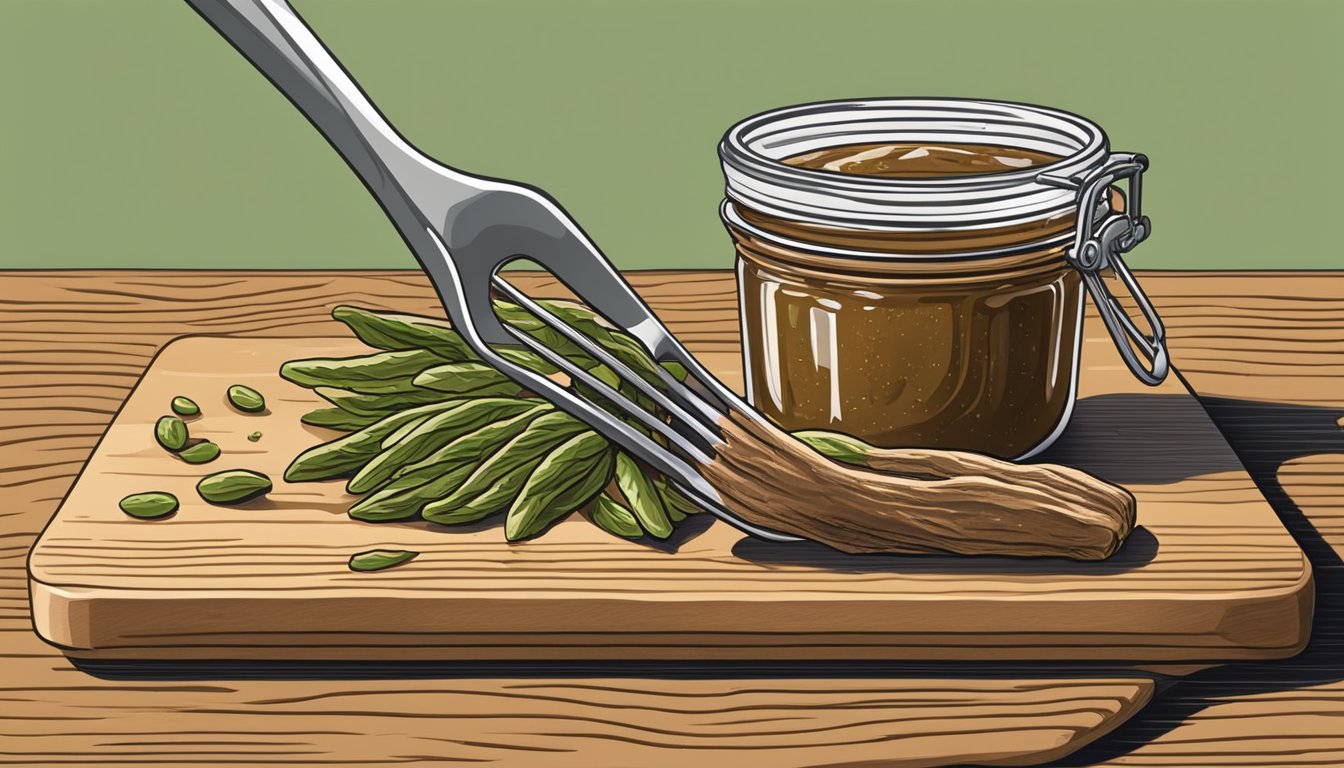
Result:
916,161
912,349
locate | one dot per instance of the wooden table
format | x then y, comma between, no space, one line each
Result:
1264,351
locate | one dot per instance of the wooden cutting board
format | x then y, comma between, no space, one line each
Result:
1209,575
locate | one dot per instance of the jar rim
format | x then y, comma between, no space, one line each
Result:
752,153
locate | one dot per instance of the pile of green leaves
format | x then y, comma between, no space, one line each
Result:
436,433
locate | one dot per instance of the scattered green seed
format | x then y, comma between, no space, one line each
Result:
246,399
381,559
233,486
150,505
171,433
254,437
185,406
203,452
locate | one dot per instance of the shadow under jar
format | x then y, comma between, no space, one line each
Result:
911,271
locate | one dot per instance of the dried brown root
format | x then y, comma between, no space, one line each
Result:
918,500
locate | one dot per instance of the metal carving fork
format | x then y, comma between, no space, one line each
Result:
464,228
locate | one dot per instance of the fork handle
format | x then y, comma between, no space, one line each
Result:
271,35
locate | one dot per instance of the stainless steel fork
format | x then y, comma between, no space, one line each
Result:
463,228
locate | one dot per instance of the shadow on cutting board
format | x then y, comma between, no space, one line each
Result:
1146,439
1139,549
1266,436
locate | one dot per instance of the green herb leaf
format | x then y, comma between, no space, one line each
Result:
642,497
392,331
378,406
347,454
495,482
338,419
434,433
615,518
381,374
441,473
475,379
565,480
677,505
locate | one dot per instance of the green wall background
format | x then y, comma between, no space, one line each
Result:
132,136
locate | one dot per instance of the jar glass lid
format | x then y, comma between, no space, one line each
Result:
753,153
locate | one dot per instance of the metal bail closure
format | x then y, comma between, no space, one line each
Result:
1098,245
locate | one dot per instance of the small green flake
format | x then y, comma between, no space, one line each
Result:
254,437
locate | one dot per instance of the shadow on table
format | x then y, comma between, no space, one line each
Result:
1265,436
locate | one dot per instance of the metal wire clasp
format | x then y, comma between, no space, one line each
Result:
1098,245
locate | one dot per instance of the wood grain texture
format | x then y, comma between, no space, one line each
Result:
1268,349
1212,574
588,723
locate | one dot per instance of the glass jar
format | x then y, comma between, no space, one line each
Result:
911,271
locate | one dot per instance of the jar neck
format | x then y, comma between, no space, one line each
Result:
905,243
765,249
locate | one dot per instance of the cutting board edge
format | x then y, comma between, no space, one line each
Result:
63,617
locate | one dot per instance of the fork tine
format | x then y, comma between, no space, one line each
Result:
624,435
709,433
683,476
608,392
